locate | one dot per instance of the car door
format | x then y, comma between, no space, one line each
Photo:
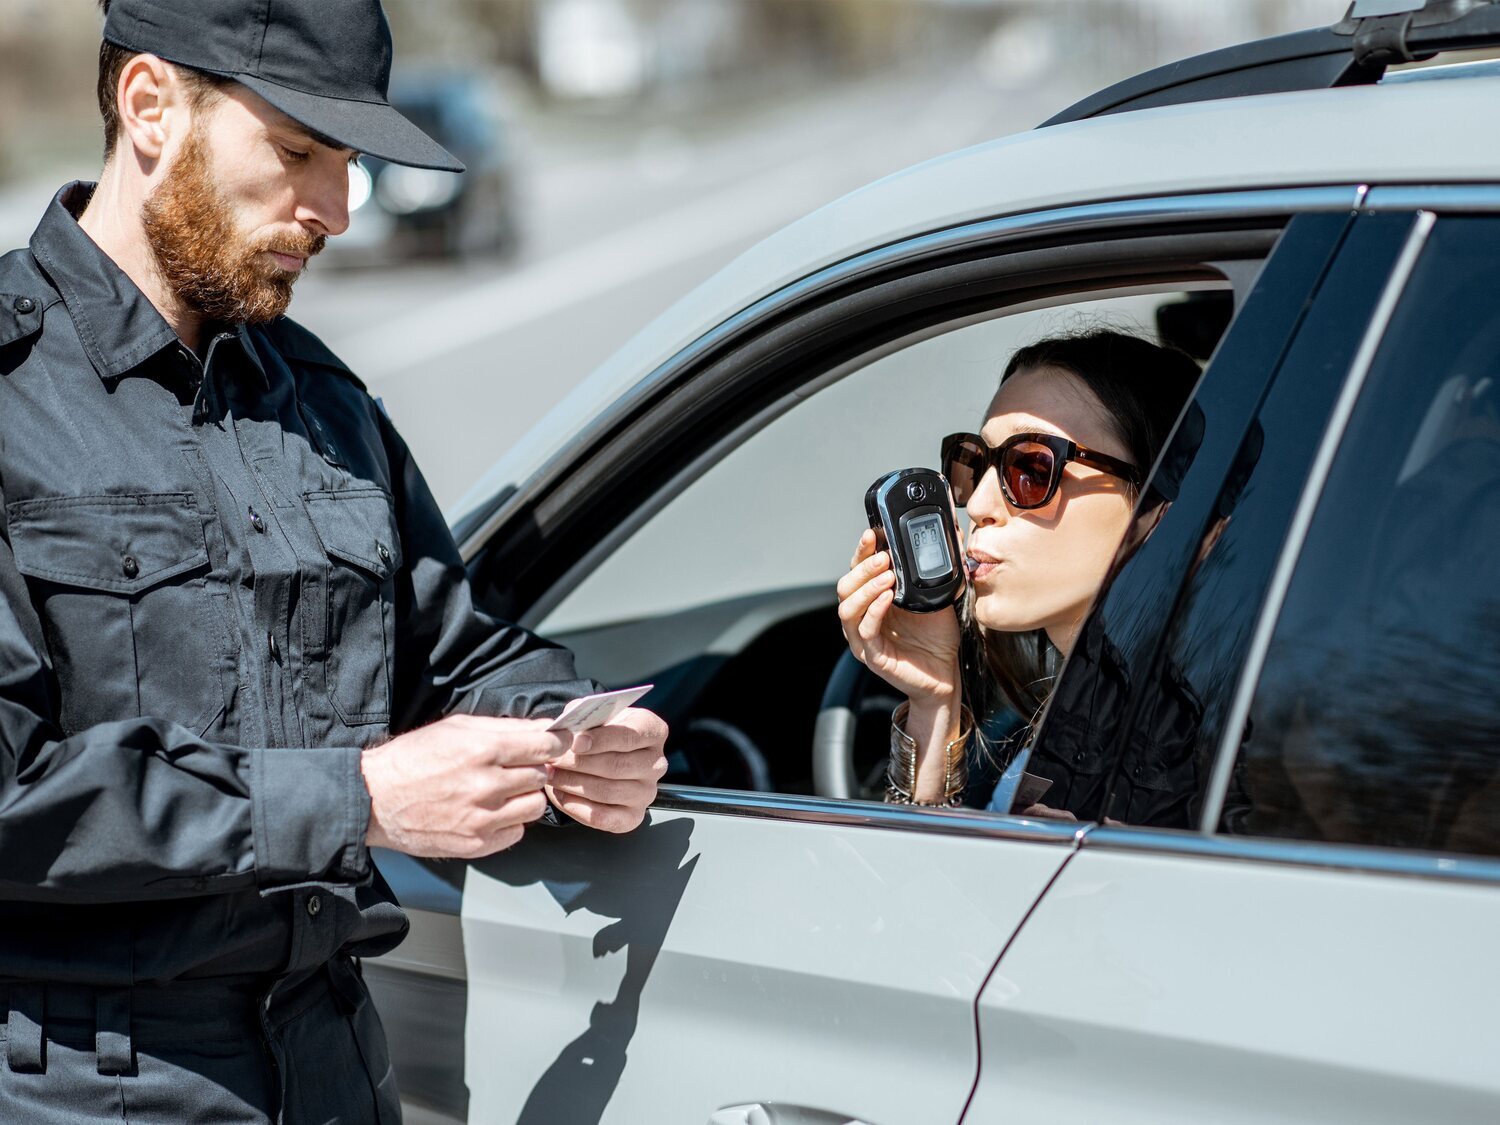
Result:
1288,912
770,955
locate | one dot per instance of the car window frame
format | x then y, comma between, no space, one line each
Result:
1423,207
739,351
540,507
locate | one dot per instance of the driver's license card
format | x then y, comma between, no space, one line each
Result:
1030,791
590,711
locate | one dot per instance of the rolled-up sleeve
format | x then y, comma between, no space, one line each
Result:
311,814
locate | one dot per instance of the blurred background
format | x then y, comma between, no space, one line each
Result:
619,152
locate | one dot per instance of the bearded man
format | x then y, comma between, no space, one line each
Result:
237,643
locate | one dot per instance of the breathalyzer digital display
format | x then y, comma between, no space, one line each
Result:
925,534
911,512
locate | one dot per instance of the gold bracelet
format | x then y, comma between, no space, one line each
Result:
901,773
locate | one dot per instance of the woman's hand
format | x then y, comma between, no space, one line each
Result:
916,653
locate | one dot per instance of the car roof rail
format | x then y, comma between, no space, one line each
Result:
1373,35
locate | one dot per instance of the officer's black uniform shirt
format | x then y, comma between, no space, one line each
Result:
219,580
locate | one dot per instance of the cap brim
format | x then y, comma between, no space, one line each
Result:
372,128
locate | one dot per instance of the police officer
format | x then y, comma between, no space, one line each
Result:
237,646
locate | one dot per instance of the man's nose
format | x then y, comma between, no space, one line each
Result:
326,208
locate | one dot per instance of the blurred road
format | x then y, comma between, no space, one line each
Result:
467,355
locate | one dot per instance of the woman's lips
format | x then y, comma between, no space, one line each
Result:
980,565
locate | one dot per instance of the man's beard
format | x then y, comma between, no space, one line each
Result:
202,256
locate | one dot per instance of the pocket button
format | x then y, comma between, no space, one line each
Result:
129,566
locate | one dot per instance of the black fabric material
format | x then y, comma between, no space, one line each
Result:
1156,778
325,63
112,1043
25,1012
219,581
308,1051
149,1015
335,1041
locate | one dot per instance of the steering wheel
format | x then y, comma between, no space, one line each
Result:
718,755
845,765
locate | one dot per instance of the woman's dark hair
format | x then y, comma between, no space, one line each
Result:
112,59
1142,387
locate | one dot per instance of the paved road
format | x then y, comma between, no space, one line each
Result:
619,223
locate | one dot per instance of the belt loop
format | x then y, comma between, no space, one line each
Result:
112,1031
23,1028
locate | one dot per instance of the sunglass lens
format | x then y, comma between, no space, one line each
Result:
963,465
1029,469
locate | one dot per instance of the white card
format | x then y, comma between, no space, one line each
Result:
590,711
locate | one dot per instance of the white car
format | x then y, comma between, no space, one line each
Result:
1281,740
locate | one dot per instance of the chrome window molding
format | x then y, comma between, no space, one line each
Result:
1081,220
1295,853
1434,197
1307,503
866,814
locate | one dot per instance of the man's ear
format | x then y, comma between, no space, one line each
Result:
151,105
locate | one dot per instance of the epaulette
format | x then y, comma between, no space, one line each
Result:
24,296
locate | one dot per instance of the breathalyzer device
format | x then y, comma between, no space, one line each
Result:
911,513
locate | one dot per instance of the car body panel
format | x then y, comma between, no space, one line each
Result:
829,957
766,966
1201,147
1155,989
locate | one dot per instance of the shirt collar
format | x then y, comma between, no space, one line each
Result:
242,333
118,325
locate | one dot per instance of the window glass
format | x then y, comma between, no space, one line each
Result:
1136,722
785,508
725,598
1377,716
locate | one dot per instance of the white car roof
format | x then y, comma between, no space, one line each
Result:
1414,128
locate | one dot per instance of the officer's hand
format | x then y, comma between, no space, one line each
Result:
462,787
609,777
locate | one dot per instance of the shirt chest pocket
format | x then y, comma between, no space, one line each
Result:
351,620
121,585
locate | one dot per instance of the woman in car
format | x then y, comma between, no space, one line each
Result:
1050,483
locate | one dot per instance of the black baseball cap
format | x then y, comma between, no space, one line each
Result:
323,63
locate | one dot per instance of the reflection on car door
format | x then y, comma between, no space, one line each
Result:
1318,946
825,956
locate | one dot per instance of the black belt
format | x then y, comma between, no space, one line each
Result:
116,1019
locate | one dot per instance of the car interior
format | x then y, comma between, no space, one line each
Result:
724,597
